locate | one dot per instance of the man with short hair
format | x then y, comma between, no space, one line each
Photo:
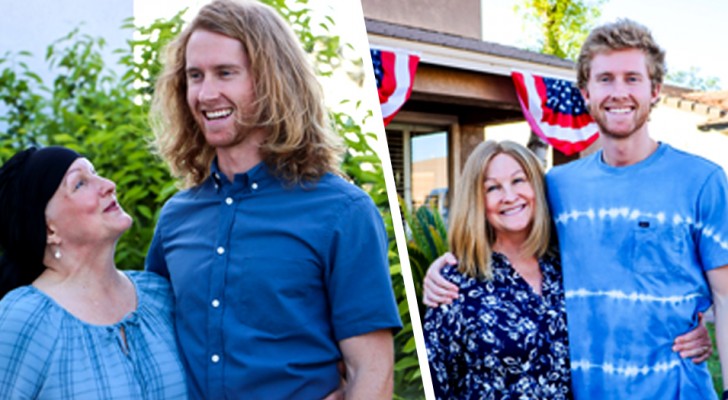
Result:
643,231
279,266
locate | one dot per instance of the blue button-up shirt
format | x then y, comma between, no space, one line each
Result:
268,278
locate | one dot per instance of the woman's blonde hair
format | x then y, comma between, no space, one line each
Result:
300,144
471,235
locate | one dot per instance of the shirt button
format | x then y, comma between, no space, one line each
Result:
215,358
216,303
220,250
229,201
254,185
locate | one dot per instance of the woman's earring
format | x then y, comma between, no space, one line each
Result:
57,254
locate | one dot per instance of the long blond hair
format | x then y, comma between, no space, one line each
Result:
471,235
300,144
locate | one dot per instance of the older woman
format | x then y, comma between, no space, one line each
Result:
71,325
505,335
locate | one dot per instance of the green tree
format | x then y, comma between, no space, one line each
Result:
104,116
693,79
562,24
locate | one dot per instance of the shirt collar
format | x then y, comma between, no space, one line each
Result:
258,177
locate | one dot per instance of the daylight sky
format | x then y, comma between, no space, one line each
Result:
692,32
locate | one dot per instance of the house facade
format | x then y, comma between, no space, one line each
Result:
462,88
463,93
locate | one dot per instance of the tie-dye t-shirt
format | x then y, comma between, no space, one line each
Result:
636,242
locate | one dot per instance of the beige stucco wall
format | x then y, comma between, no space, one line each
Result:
460,17
427,175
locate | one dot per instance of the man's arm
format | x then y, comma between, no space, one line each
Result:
369,360
436,289
718,279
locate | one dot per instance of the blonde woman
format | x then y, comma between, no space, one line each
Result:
505,335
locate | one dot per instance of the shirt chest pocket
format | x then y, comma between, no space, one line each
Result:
659,248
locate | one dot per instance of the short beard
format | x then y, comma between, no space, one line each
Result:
641,121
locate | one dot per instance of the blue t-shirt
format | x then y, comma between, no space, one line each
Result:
268,278
47,353
636,242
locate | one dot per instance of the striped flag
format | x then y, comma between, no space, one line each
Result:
394,71
555,110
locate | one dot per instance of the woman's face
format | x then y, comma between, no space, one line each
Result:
509,196
84,210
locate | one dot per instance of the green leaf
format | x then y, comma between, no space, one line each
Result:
145,211
406,363
104,114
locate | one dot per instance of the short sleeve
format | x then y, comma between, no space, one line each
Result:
713,221
26,344
357,277
157,294
155,261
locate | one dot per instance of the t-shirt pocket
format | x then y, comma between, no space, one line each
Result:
659,248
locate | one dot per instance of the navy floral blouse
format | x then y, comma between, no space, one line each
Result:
500,339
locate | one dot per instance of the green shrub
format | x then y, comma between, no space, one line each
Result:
104,116
427,240
714,362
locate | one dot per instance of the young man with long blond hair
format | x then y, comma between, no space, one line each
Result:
278,266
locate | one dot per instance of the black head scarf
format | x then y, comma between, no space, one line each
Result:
28,180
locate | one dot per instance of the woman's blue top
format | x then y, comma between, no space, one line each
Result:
47,353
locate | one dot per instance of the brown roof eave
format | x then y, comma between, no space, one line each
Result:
463,43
